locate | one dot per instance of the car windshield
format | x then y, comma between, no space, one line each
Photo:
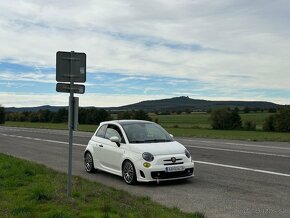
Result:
146,133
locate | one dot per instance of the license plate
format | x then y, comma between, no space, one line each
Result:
174,169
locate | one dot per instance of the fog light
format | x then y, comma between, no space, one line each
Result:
146,165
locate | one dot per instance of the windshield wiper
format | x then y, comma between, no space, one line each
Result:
157,140
137,141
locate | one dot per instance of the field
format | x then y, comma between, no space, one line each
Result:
201,120
189,125
29,190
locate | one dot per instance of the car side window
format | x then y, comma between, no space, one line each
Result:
101,131
113,130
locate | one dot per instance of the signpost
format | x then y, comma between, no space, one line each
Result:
70,68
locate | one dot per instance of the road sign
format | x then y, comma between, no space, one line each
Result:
65,87
70,67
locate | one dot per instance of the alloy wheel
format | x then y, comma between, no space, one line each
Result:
129,173
89,165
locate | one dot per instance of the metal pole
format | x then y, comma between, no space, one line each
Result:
71,114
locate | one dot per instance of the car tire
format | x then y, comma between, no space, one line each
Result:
129,173
89,163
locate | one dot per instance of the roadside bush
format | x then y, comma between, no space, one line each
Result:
2,115
246,110
269,124
282,120
135,115
272,110
249,125
224,118
279,122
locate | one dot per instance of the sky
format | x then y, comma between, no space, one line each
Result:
143,50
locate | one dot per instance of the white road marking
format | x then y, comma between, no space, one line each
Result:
47,131
244,168
236,144
238,151
200,162
258,146
44,140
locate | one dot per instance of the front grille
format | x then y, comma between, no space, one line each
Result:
169,161
171,175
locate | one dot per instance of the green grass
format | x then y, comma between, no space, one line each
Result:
30,190
188,125
230,134
201,120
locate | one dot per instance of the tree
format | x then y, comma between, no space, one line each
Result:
136,115
235,119
141,115
224,118
272,110
246,110
44,115
126,115
2,115
282,120
93,116
268,124
279,122
61,116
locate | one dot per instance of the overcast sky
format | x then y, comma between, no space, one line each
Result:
140,50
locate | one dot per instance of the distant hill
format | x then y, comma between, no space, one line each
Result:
33,109
185,103
171,104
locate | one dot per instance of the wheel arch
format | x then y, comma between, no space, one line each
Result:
128,159
87,151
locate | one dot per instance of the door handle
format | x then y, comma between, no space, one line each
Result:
101,145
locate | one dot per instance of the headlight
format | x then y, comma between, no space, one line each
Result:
187,153
148,156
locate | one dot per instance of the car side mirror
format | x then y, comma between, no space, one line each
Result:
116,140
171,135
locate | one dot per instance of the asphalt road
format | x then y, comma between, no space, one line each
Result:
232,178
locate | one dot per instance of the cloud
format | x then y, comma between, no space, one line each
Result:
32,77
229,46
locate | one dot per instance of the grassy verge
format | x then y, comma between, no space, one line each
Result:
179,132
231,134
31,190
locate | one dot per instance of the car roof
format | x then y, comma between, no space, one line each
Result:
124,122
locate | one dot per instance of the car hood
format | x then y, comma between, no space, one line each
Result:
161,148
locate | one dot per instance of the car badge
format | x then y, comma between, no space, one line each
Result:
173,159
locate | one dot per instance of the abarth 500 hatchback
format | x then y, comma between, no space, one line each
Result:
138,151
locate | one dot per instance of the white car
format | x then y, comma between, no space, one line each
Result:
138,151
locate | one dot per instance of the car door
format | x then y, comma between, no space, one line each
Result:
97,142
111,155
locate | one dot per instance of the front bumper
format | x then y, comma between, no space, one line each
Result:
157,170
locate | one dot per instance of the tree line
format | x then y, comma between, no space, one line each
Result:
229,119
86,116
